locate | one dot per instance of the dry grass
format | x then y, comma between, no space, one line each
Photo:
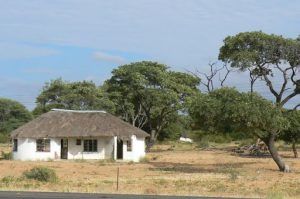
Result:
174,170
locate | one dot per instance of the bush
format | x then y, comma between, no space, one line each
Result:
4,138
8,180
42,174
204,142
144,160
220,139
6,156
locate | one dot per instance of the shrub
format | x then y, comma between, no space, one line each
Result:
232,172
220,139
42,174
204,142
4,138
6,156
144,159
8,180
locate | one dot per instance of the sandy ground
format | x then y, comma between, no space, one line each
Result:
184,171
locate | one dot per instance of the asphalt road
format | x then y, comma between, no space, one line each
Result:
44,195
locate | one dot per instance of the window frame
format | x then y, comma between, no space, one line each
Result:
78,142
90,145
15,145
129,145
46,145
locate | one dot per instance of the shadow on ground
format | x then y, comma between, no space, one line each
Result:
196,168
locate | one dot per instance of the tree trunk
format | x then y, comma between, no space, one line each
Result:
295,149
274,153
151,140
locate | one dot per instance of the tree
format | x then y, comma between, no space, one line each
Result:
208,79
12,115
176,128
271,58
149,96
292,134
82,95
268,57
227,110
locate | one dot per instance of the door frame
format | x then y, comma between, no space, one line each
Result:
120,154
64,148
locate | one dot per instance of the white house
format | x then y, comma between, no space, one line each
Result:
69,134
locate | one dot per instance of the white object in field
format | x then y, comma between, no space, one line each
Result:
183,139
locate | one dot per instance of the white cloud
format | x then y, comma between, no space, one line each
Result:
179,32
101,56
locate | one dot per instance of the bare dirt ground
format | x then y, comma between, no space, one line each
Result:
181,170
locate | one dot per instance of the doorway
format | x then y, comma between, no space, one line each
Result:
120,149
64,149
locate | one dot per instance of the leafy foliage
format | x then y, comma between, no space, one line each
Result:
12,115
148,95
292,134
176,128
227,110
265,56
6,155
72,95
42,174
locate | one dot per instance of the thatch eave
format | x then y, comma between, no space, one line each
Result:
67,123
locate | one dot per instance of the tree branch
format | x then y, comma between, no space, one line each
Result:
283,102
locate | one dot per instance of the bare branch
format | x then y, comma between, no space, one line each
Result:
294,70
226,74
290,96
253,79
296,107
207,79
285,79
270,85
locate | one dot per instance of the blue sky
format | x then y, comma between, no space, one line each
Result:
86,39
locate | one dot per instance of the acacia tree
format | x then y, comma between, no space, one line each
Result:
271,58
148,95
266,56
82,95
227,109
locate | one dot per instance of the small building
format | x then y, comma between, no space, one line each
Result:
69,134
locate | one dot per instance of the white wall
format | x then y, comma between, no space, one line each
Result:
107,148
27,150
138,149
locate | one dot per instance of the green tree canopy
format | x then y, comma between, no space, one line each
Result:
148,95
270,58
266,56
292,134
12,115
82,95
226,109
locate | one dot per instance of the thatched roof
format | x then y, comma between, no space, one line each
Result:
67,123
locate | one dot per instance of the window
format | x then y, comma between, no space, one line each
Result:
43,145
78,142
90,146
15,145
129,145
